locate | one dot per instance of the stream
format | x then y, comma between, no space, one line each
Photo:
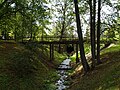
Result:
62,72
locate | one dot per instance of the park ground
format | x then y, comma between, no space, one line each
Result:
105,76
28,68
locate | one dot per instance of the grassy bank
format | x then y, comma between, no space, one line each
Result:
87,50
26,67
104,77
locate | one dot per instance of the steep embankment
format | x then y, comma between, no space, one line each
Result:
105,76
23,69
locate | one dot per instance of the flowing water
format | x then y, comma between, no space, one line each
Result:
62,72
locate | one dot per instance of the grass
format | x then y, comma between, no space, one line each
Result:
105,76
87,50
25,69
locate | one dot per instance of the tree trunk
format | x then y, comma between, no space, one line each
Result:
92,29
79,31
98,33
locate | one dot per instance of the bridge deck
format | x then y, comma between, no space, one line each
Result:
55,42
59,42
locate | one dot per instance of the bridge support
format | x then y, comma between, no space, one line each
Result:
77,59
51,52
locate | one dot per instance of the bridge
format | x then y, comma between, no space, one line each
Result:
54,42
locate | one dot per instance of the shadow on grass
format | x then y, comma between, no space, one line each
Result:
105,76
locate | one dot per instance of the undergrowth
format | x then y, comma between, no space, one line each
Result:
26,68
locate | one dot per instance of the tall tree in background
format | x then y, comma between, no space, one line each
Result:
80,36
63,23
93,45
63,20
98,33
92,5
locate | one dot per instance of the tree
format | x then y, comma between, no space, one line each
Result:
63,23
92,29
98,32
79,31
64,19
23,17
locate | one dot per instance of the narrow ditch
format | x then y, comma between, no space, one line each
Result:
63,74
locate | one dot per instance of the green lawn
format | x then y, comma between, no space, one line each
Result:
105,76
25,69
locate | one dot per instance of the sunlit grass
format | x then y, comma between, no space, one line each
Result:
114,48
59,57
105,76
87,50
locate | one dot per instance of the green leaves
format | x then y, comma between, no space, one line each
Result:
22,17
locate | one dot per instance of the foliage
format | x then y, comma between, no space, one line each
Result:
63,18
25,18
32,20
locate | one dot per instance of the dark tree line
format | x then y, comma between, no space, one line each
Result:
80,36
92,6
